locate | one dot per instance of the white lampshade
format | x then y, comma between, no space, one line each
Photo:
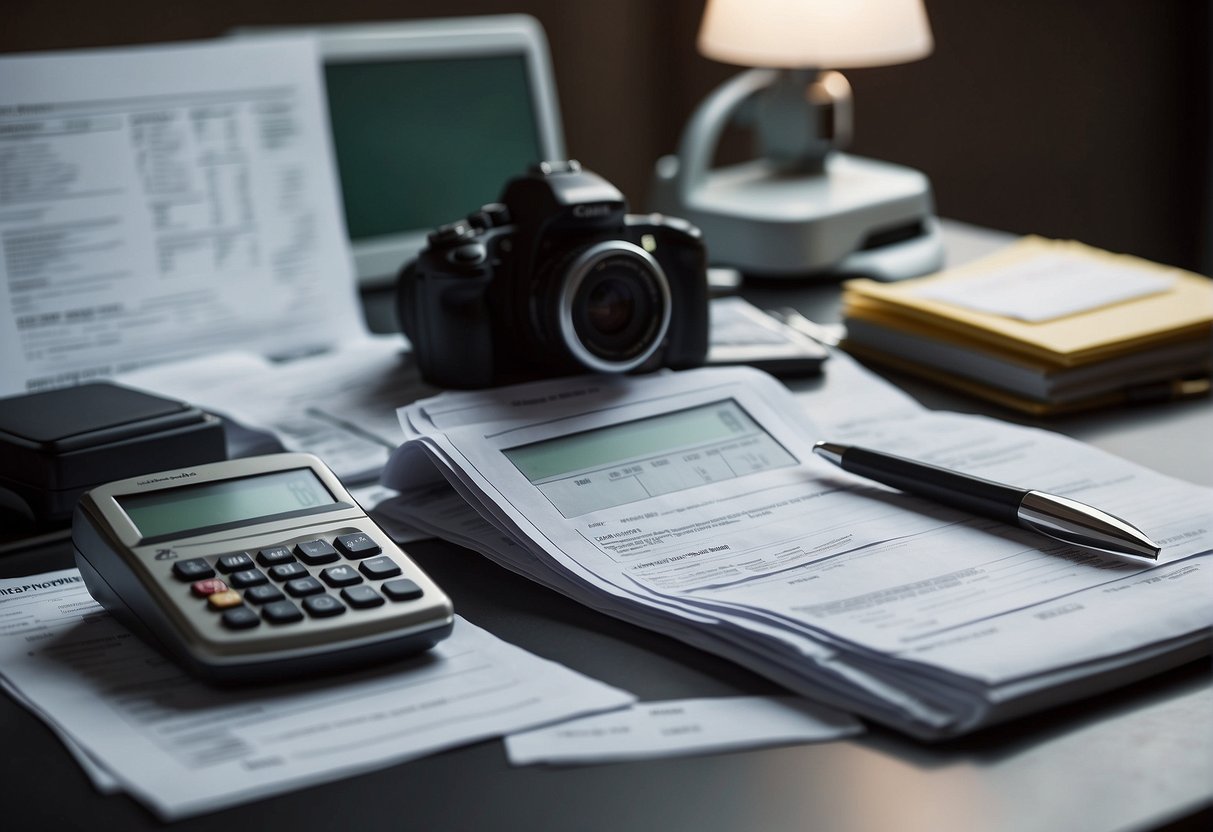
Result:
834,34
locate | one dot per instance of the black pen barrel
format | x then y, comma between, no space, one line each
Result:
989,499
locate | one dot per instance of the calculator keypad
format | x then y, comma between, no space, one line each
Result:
295,575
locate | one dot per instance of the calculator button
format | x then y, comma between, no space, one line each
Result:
287,571
341,576
240,618
316,551
281,612
263,594
323,606
361,597
275,555
247,577
224,600
357,545
193,569
402,590
236,562
208,587
380,567
304,586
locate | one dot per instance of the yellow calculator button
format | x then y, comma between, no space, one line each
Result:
223,600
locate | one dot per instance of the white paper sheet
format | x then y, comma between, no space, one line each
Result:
160,202
649,730
184,748
1048,286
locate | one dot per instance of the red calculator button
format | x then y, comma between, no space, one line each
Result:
209,587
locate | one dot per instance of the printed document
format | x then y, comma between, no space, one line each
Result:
649,730
161,202
692,503
184,748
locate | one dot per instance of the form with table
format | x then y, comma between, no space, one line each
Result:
1140,757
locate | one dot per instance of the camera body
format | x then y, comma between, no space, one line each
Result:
556,279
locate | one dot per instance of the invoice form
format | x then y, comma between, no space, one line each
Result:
160,202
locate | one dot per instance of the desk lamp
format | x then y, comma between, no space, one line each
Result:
802,207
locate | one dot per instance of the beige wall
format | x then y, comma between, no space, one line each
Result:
1069,118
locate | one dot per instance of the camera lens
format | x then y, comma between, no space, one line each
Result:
613,306
610,306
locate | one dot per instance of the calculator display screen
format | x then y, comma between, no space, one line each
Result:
191,507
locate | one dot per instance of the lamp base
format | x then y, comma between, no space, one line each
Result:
858,216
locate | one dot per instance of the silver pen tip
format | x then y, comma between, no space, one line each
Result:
829,451
1079,523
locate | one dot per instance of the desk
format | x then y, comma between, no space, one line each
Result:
1124,760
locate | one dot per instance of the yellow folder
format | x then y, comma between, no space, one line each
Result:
1183,311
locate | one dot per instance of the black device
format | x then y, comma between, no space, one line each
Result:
56,444
555,279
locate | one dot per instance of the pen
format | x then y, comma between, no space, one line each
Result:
1058,517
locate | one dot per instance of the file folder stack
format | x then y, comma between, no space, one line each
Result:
1043,326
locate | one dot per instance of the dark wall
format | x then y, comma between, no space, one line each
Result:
1060,117
1087,119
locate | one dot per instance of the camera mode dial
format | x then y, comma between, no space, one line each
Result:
451,234
490,216
468,254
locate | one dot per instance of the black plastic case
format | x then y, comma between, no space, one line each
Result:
57,444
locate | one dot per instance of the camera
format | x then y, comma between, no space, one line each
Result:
555,279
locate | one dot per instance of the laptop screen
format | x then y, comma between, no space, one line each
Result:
424,141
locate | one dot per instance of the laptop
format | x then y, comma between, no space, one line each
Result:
430,118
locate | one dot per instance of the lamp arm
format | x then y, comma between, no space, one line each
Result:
702,133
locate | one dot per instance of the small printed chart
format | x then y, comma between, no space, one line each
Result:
624,463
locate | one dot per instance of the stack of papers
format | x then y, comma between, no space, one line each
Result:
691,503
1043,326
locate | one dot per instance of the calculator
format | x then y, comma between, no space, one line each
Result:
254,569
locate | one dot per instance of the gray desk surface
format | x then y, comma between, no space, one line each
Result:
1138,758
